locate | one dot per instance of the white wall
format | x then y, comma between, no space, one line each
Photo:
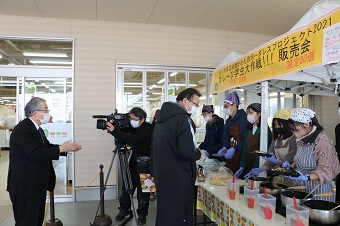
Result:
100,45
328,118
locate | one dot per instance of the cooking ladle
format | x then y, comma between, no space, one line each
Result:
335,207
311,191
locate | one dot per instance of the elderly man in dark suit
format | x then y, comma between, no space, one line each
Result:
30,172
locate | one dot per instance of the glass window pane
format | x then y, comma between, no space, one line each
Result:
37,52
154,93
197,80
133,90
176,84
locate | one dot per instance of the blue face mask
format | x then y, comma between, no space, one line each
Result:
228,111
134,124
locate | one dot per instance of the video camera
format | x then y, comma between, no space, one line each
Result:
119,120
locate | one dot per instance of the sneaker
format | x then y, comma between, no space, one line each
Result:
122,214
152,197
141,219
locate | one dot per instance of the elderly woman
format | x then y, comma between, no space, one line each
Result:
316,159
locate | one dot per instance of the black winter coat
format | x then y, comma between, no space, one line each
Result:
174,156
214,135
139,140
30,171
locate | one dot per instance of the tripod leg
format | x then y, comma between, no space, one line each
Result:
124,163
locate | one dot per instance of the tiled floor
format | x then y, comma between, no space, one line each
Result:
71,213
83,213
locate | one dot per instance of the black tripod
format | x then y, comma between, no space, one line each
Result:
122,151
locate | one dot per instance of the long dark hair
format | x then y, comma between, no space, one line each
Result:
286,128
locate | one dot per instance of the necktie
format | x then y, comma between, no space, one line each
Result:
41,132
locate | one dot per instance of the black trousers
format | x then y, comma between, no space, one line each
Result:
142,197
28,211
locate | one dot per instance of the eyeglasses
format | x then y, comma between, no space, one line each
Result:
47,111
197,105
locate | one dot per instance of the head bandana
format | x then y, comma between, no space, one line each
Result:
282,114
232,98
257,106
302,115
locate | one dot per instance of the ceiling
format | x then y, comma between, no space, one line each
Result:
272,17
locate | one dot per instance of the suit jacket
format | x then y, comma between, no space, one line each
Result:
30,170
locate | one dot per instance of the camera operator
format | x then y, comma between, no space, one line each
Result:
140,141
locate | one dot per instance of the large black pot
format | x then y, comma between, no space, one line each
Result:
273,189
257,181
320,211
287,197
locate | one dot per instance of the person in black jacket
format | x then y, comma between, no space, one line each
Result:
214,128
30,171
140,141
174,156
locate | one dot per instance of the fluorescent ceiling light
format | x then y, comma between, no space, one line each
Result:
37,54
53,90
127,93
10,98
161,81
157,93
179,84
10,104
132,83
8,82
133,86
49,62
173,74
0,56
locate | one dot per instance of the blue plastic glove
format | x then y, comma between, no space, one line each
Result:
286,164
257,171
272,159
222,151
302,176
206,153
246,177
230,153
239,172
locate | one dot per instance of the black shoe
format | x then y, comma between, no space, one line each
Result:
141,219
122,214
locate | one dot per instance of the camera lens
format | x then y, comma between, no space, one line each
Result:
101,124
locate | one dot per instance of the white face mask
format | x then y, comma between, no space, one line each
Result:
207,118
339,111
251,118
228,111
47,117
193,111
134,124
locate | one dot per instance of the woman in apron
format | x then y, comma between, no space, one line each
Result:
234,132
283,147
316,159
252,141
